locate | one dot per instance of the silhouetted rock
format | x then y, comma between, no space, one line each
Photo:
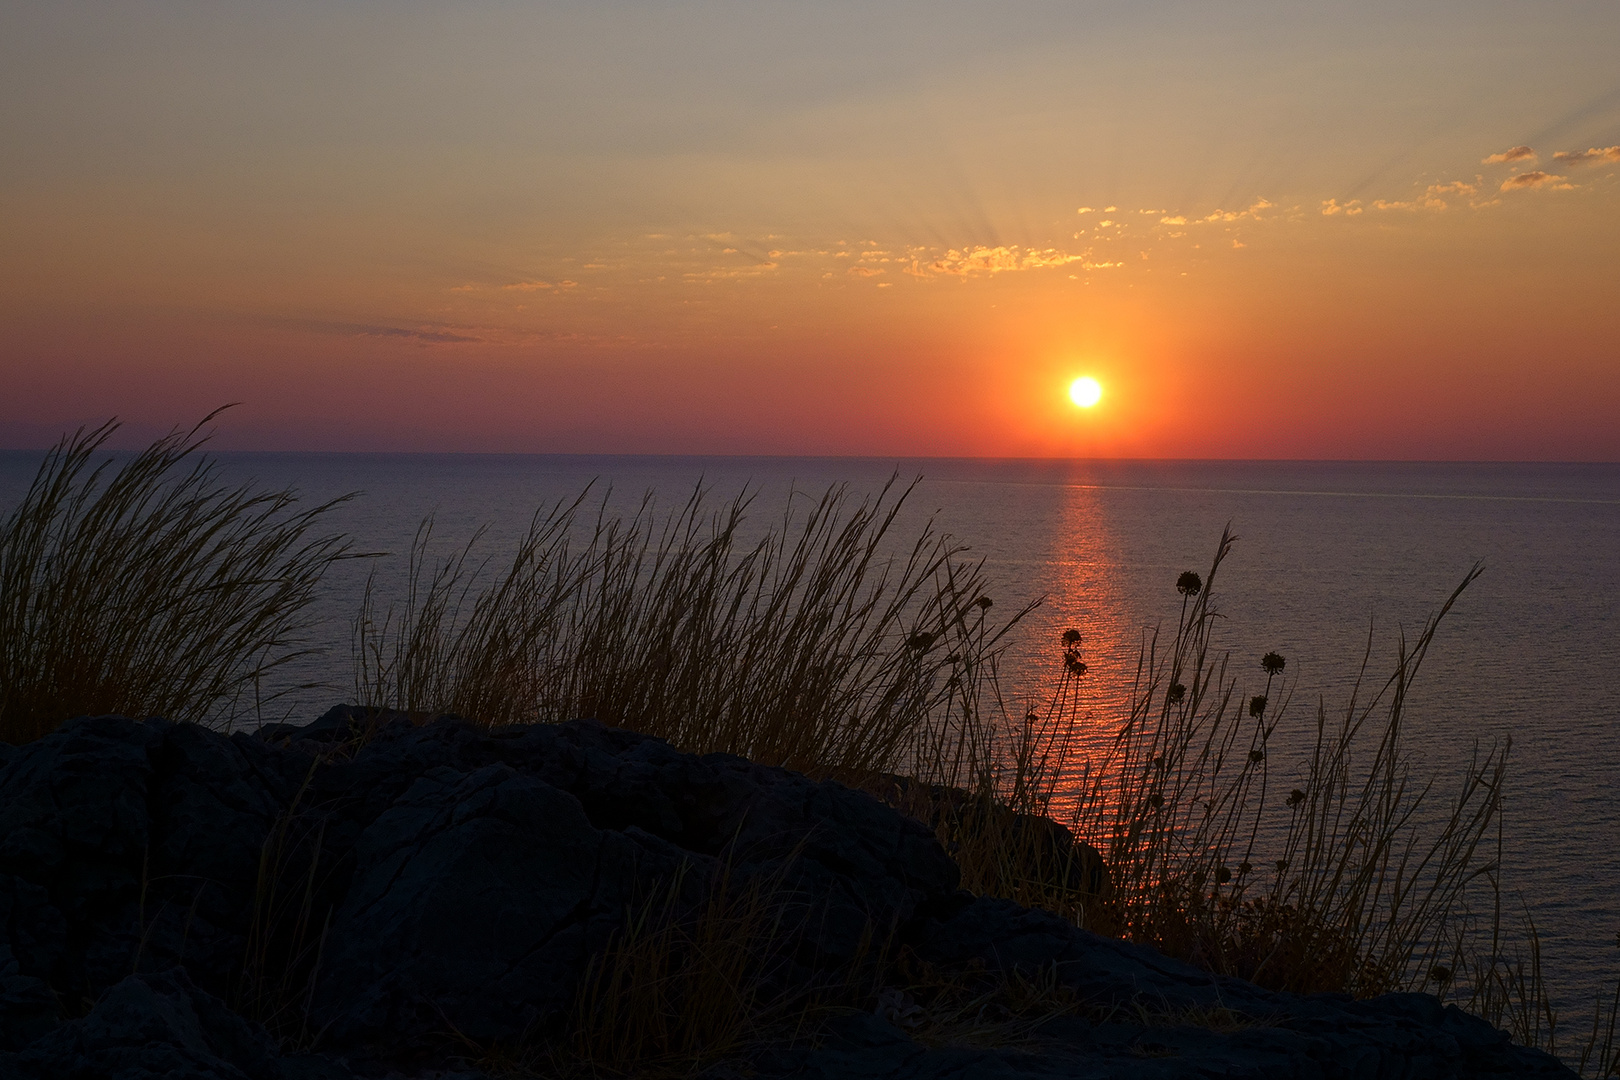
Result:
153,1027
389,890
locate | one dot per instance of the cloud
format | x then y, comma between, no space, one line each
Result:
436,337
984,261
1331,208
1431,199
1177,220
1456,187
516,286
1536,180
1587,157
864,271
1517,153
1234,215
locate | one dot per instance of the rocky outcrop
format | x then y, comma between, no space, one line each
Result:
367,894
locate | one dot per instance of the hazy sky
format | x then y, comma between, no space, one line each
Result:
1367,230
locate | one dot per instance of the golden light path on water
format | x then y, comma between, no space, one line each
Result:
1083,570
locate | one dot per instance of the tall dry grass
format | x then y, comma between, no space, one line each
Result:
825,645
1496,972
1337,876
1345,872
151,588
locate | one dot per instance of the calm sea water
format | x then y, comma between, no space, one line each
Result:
1327,553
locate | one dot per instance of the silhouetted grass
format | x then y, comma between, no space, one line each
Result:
150,589
818,647
1337,878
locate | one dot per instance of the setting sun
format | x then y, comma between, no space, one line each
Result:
1085,391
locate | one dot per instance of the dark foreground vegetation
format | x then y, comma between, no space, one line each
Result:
457,874
367,896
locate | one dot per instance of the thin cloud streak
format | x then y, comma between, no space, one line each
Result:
1587,157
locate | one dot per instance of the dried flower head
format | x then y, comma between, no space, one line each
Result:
1176,693
1273,663
1189,584
1071,636
1257,705
920,640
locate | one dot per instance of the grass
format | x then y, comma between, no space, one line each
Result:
1344,884
152,588
816,647
833,642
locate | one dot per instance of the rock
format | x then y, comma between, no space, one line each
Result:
385,891
1044,850
28,1009
476,901
152,1027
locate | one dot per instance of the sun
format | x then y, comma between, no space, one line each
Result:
1085,391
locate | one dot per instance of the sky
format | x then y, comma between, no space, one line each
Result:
1268,230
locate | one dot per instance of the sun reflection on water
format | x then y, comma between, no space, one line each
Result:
1083,569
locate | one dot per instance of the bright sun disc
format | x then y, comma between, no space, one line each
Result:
1085,391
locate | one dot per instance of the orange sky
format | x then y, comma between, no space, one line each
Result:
881,229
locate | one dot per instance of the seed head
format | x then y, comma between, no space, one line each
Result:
1176,693
1189,584
1257,705
1273,663
1071,636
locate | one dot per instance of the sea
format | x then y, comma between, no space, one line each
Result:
1334,565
